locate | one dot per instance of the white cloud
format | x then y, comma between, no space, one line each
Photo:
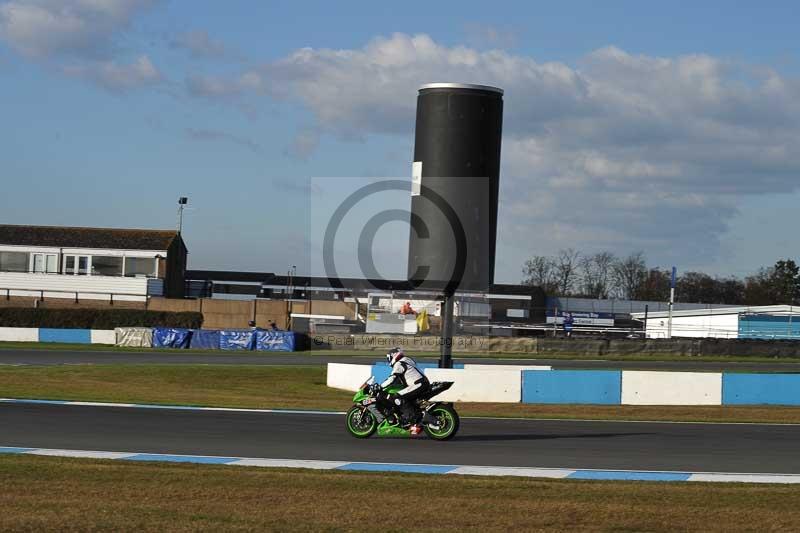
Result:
484,35
114,76
625,151
42,28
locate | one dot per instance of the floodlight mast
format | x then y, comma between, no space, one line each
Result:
454,192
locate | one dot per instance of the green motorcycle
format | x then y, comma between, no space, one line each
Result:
372,412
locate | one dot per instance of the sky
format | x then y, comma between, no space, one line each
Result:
669,128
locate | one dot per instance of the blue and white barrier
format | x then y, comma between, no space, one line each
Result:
572,386
508,384
73,336
671,388
259,340
762,389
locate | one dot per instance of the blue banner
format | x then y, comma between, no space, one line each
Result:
171,337
237,339
274,341
205,339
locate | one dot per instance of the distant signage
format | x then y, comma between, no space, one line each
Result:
581,318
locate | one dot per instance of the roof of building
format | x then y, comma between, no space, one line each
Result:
315,282
66,237
733,310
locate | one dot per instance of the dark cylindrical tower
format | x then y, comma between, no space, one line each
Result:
455,186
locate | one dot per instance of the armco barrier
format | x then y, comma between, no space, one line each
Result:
671,388
347,377
572,386
761,389
79,336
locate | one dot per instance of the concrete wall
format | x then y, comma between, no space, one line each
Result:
103,336
19,334
77,336
549,346
761,389
671,388
604,387
572,386
337,308
347,377
478,386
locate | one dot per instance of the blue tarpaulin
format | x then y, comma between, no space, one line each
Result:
274,341
236,339
171,337
205,339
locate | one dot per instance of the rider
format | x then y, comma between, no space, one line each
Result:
405,371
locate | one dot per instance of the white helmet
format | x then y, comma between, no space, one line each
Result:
394,355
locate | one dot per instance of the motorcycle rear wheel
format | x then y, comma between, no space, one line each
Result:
448,421
360,423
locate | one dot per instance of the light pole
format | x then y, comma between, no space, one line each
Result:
182,201
671,302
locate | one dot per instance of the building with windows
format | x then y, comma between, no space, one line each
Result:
755,322
90,263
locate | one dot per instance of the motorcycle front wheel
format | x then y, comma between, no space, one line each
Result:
447,422
360,422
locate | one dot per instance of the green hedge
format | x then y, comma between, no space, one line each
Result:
26,317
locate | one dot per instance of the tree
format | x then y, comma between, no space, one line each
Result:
655,285
695,287
629,273
540,271
778,284
730,291
757,289
785,282
566,270
595,273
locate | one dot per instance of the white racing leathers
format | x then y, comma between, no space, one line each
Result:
405,369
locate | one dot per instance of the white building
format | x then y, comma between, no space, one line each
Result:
756,322
90,263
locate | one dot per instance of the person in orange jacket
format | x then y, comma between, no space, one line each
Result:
407,309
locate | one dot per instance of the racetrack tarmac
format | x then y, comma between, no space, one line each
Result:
696,447
16,356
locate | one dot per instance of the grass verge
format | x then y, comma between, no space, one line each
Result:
378,354
304,387
58,494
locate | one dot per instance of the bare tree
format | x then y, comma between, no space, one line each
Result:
630,275
566,264
596,273
540,271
